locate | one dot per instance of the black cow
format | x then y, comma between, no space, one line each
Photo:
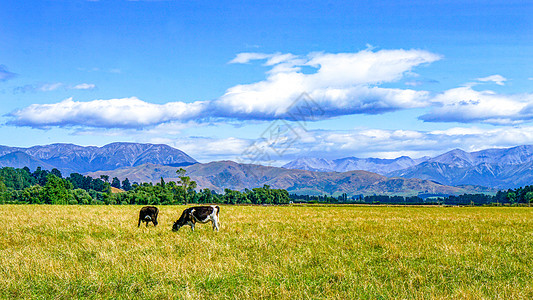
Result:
202,214
148,214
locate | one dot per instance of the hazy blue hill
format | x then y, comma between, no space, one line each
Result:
20,159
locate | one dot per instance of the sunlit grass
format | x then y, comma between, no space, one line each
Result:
298,252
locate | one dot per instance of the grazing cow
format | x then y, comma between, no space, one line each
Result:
202,214
148,214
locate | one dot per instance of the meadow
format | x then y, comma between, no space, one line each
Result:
268,252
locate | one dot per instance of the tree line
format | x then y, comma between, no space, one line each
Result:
21,186
521,195
49,187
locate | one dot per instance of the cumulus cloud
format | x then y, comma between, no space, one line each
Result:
338,84
342,83
5,75
467,105
114,113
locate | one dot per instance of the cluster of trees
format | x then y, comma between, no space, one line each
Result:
49,187
370,199
522,195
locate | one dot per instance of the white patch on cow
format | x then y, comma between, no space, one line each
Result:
213,217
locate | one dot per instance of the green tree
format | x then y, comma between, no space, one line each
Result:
512,197
56,172
186,184
40,176
3,190
529,198
115,183
126,185
57,190
82,196
34,195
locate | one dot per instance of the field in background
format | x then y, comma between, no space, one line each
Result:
299,252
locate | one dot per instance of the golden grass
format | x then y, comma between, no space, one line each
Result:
290,252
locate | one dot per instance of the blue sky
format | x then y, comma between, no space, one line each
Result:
228,79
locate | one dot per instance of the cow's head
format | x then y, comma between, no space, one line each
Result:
176,226
185,219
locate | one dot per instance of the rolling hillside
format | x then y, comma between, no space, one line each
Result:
227,174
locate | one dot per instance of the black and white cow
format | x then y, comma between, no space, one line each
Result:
148,214
202,214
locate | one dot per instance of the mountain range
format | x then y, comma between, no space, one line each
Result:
69,158
497,168
453,172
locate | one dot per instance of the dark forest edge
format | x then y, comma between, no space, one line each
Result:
21,186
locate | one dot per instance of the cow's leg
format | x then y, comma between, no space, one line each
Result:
214,220
192,226
147,223
138,225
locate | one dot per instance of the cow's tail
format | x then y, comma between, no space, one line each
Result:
218,209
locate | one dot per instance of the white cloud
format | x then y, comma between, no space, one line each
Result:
341,84
382,143
497,79
361,142
114,113
467,105
246,57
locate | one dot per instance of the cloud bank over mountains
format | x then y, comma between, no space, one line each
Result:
360,142
367,82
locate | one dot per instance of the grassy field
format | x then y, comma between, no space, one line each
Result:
296,252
